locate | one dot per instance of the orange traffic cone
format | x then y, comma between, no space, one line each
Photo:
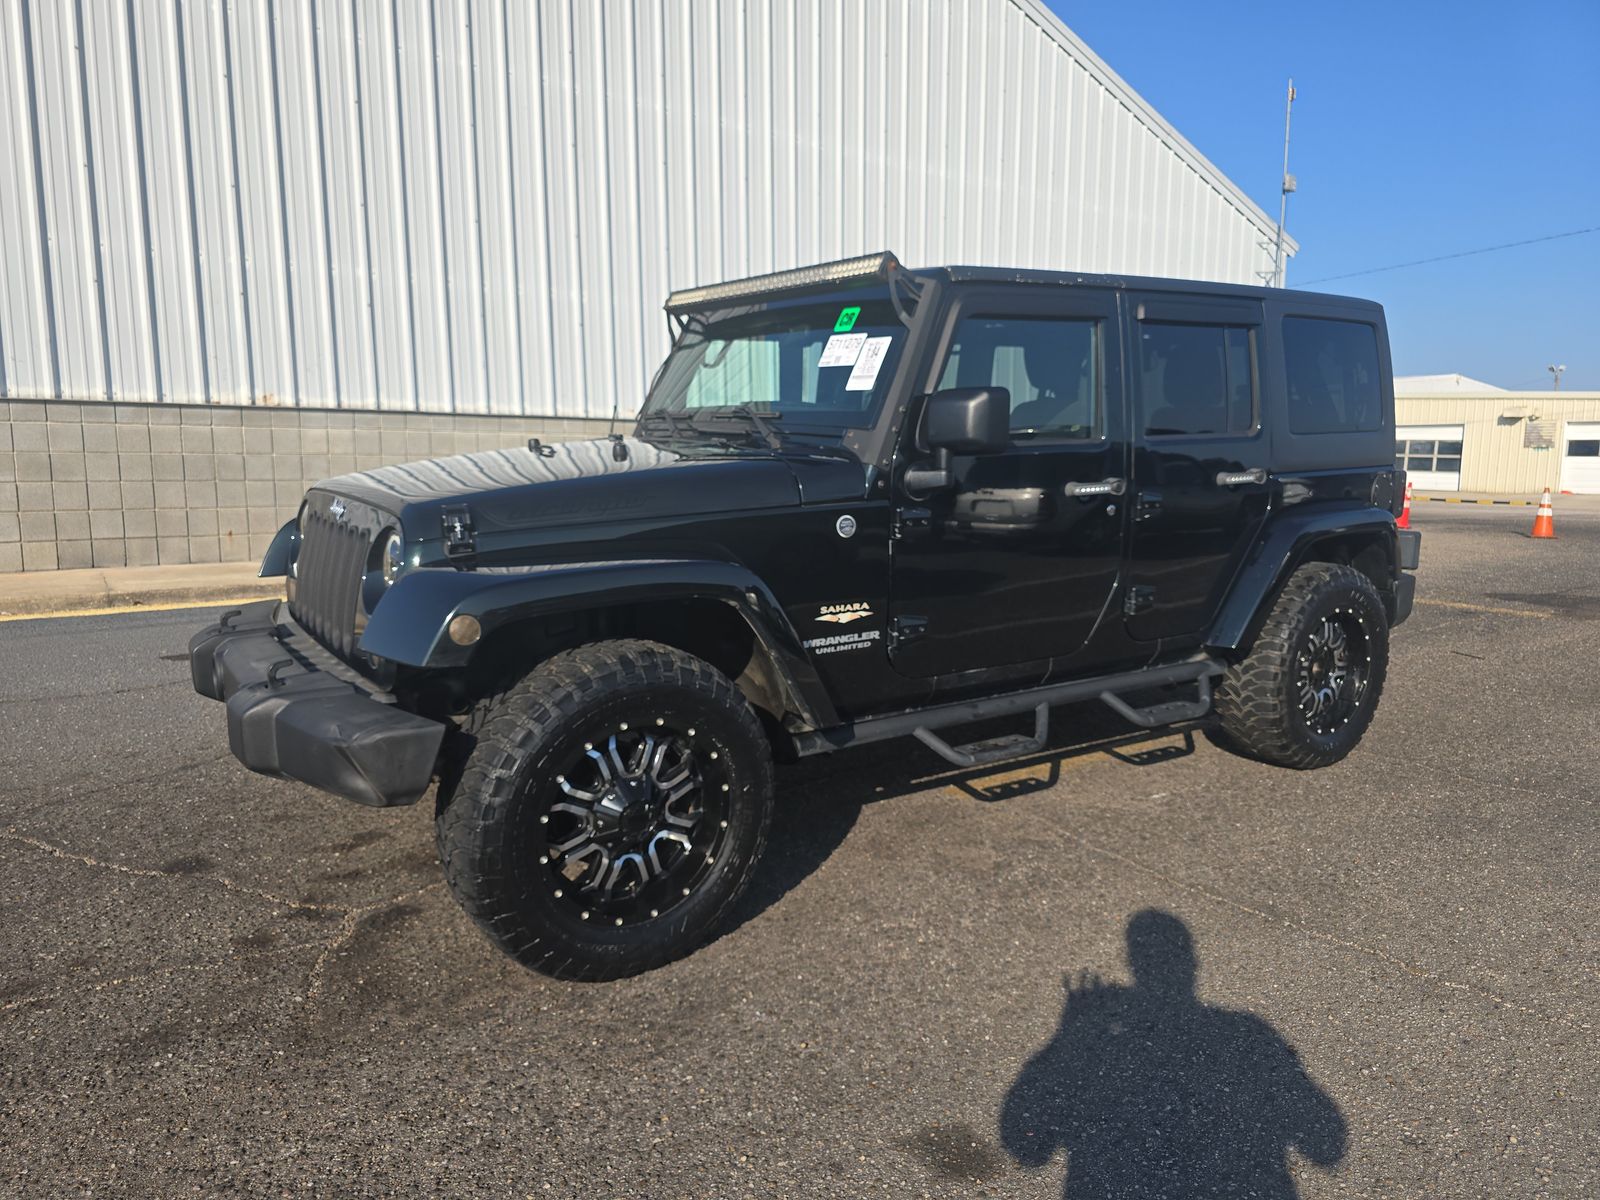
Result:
1544,525
1405,511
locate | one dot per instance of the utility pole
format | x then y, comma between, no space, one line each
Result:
1288,186
1555,373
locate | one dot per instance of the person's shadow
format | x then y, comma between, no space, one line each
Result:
1152,1093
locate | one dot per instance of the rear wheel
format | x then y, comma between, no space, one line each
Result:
610,812
1307,691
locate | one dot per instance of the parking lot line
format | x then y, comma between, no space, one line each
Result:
1488,608
118,609
1474,500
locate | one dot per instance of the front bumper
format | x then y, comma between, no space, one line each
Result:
297,712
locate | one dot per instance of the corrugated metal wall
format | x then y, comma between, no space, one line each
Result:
1493,456
479,205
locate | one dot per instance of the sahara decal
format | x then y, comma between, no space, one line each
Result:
843,614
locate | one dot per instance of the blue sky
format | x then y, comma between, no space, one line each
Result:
1420,129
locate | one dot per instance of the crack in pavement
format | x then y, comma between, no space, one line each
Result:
346,930
1310,931
159,973
52,791
55,699
350,917
1320,935
10,834
1459,776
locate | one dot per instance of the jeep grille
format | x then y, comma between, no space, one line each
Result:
328,574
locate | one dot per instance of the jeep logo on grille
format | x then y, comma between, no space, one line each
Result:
336,509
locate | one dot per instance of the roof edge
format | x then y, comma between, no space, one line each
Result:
1549,394
1075,47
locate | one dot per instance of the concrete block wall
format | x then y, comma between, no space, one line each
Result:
98,484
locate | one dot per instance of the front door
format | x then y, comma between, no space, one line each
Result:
1018,560
1200,460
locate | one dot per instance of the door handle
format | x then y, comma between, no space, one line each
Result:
1106,487
1235,478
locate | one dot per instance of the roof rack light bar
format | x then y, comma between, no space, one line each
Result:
868,266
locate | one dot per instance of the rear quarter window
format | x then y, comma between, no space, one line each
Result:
1331,367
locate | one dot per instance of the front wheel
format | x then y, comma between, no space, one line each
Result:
1307,690
610,812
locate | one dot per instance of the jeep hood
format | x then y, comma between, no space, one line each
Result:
572,483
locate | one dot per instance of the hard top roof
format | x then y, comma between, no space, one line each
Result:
1132,283
884,266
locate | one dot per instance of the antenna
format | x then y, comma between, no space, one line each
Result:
1288,186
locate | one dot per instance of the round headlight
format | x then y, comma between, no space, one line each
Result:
394,558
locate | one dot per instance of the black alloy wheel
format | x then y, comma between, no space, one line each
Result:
609,812
1305,693
1331,670
634,822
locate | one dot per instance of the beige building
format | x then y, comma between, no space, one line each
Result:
1454,434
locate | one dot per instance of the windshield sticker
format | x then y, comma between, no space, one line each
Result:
847,319
842,350
865,374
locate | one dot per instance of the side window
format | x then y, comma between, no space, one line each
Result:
1197,379
1332,371
1050,365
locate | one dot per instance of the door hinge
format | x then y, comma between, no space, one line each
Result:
910,520
906,629
456,525
1140,597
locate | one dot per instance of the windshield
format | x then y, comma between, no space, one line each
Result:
813,367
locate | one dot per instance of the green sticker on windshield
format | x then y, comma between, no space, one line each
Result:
847,319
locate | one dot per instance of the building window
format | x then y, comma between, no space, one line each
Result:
1584,448
1332,369
1427,454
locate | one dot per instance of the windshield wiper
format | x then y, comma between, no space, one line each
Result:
775,437
681,427
704,424
763,422
673,420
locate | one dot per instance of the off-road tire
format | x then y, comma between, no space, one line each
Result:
1259,706
489,805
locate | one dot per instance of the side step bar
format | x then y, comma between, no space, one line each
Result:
995,749
1163,714
922,722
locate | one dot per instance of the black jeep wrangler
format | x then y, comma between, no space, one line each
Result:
860,502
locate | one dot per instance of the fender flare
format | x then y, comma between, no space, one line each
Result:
1288,534
409,624
281,551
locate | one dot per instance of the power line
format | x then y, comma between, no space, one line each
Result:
1460,254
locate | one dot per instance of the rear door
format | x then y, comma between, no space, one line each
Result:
1200,457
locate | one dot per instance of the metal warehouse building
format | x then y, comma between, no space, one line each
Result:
1456,434
249,245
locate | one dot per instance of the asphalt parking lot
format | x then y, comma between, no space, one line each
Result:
215,983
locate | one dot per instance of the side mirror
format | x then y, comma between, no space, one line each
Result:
959,421
966,421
